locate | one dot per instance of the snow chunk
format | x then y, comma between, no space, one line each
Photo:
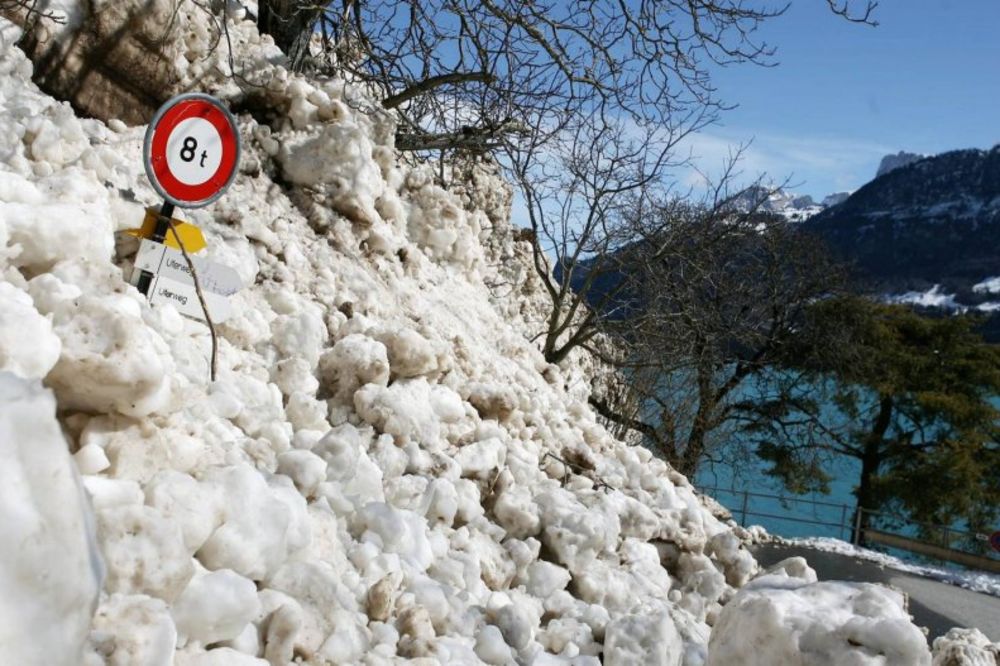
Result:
47,230
135,629
144,552
439,226
110,361
353,361
481,459
645,638
490,647
545,579
410,354
215,607
28,348
409,410
306,469
399,531
338,160
50,572
780,620
965,647
195,506
264,522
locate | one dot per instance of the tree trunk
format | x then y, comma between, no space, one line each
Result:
290,23
699,428
871,460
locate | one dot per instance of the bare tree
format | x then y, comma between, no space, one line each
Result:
291,24
576,191
716,292
582,101
464,71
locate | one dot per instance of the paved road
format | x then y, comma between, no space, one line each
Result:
933,604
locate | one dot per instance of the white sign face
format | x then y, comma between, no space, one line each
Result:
194,151
184,298
161,260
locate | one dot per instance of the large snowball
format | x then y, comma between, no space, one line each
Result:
643,638
50,572
215,607
780,620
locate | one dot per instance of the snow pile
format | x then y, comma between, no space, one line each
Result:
50,570
386,468
787,617
965,647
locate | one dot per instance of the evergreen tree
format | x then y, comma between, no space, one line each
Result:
913,398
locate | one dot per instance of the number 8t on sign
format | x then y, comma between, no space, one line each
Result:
192,149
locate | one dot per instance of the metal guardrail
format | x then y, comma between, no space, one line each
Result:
849,528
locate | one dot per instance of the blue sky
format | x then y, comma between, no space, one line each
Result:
926,80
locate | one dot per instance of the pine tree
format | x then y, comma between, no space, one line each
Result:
913,398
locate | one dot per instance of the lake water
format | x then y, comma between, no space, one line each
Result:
812,515
785,514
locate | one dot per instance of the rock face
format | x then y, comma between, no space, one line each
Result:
834,199
900,159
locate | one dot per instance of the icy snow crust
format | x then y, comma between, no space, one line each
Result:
368,481
977,581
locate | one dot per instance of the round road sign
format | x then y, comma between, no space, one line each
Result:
192,149
995,540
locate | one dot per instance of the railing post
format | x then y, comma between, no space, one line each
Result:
857,527
843,521
746,498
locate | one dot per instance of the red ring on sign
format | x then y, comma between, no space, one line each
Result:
158,151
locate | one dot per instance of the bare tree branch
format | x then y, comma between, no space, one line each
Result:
427,85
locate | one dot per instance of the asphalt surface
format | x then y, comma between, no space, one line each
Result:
933,604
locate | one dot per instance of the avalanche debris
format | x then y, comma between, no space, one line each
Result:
375,476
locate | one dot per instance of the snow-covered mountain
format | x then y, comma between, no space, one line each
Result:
386,470
926,232
799,208
793,207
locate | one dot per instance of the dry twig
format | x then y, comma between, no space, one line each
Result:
201,296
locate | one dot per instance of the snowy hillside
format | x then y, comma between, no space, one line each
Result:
385,471
925,231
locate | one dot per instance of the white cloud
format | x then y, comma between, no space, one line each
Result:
812,163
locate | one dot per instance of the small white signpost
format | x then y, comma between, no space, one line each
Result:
167,262
172,282
184,297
